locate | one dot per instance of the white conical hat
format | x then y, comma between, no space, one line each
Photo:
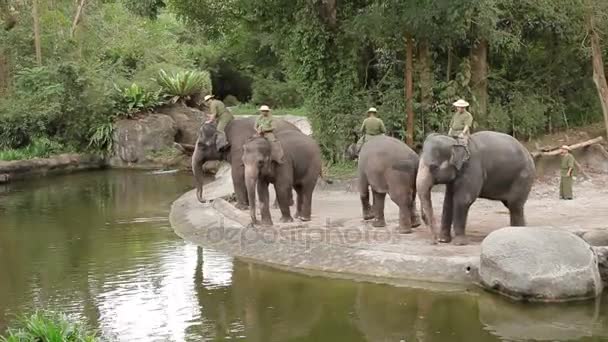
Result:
461,103
208,97
372,109
264,108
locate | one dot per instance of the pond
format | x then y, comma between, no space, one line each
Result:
98,246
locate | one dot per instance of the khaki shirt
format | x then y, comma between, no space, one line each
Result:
459,121
264,123
566,164
373,126
217,108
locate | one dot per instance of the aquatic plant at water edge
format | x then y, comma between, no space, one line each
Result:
48,327
101,137
41,147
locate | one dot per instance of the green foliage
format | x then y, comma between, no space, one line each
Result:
276,94
37,148
184,85
231,101
48,327
102,137
135,99
145,8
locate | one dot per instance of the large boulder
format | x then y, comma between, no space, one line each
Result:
187,121
539,264
141,142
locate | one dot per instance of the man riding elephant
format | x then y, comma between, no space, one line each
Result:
371,126
460,127
265,128
219,112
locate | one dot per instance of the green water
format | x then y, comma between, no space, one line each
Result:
98,246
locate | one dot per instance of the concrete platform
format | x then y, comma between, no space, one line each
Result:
338,243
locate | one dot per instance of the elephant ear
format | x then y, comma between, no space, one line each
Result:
458,157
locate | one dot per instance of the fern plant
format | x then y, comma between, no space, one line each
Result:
101,138
183,85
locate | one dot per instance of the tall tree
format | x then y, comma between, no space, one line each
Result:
599,76
36,18
409,89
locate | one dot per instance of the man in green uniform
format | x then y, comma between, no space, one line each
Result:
371,126
460,127
219,113
264,127
566,174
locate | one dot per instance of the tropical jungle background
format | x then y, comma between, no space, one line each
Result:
68,68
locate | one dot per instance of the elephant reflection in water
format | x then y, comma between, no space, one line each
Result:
266,305
385,313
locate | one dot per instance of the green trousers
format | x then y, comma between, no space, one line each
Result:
224,120
565,188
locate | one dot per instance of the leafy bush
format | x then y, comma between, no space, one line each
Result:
135,99
181,86
38,148
102,137
276,94
231,101
48,327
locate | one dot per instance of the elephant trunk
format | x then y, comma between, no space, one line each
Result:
424,185
251,179
197,171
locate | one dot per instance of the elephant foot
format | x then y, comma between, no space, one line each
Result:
368,216
286,219
402,230
304,219
242,206
267,223
444,238
416,222
460,240
378,223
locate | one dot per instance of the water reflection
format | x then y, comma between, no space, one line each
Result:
99,246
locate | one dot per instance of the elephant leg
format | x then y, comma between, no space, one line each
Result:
461,213
275,205
197,171
299,201
238,180
364,195
283,198
264,198
379,209
414,217
403,200
516,213
445,235
306,212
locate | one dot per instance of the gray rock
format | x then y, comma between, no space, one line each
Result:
187,121
598,237
539,264
136,141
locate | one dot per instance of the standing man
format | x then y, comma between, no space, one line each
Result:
219,113
566,174
264,127
371,126
460,127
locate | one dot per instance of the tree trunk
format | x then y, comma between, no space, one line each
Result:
77,17
4,72
553,151
7,15
479,78
37,32
426,78
599,76
409,91
448,72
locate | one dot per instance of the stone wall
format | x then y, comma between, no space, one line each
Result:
20,169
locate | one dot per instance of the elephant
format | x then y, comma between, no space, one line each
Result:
388,166
237,133
300,169
493,166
